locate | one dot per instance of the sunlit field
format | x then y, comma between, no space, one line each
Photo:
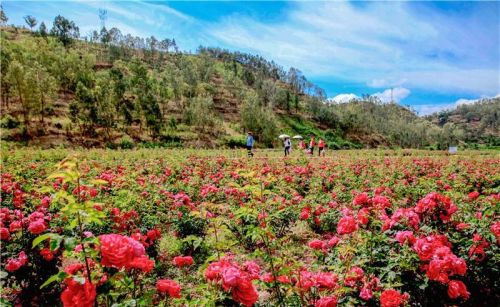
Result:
215,228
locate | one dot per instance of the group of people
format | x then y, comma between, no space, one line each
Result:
287,144
302,146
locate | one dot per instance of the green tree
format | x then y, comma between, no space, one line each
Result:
296,103
23,85
45,88
65,30
30,21
42,30
3,17
258,119
200,113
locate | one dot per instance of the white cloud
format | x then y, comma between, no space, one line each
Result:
386,82
395,94
465,101
343,98
462,101
427,109
422,50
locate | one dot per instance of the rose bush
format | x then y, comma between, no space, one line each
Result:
206,228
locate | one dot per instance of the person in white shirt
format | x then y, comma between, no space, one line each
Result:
288,144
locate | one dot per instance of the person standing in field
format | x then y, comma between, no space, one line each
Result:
288,144
250,142
312,143
321,147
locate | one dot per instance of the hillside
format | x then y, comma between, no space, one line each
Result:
114,90
479,121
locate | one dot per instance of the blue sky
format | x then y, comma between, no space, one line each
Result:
430,55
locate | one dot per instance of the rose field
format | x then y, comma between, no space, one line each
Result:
157,227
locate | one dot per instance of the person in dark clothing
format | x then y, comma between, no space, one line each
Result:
288,144
312,144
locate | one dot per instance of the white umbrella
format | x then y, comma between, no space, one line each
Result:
297,137
284,136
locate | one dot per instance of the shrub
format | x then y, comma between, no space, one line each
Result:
9,122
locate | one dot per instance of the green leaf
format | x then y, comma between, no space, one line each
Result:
3,274
45,189
98,182
4,303
69,243
55,242
57,277
44,237
57,175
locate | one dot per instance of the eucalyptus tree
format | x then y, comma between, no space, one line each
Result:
30,21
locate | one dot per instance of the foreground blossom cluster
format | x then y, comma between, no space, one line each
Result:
377,229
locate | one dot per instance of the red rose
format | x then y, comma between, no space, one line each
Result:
142,263
245,293
73,268
473,195
495,229
4,234
37,227
327,301
47,254
392,298
119,251
381,202
305,214
252,268
305,281
365,293
284,279
153,234
355,274
437,271
230,277
78,295
316,244
405,237
363,216
456,289
361,199
13,265
180,261
116,250
168,286
333,242
15,226
326,280
346,225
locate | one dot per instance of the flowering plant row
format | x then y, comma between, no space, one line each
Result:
203,230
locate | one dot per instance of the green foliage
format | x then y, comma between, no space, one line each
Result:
258,119
30,21
121,83
3,16
200,113
235,142
65,30
190,224
9,122
477,122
